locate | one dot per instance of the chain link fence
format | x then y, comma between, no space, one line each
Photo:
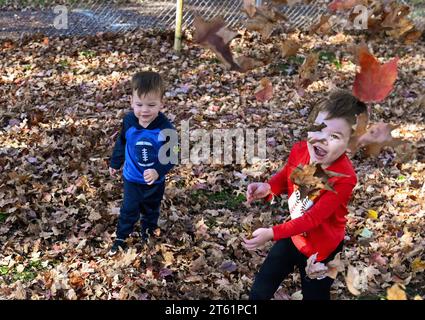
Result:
79,17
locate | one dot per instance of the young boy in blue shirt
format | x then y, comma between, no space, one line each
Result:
138,148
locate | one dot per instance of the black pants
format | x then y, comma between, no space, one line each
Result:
139,199
280,262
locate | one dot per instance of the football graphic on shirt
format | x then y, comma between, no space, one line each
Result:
145,153
298,206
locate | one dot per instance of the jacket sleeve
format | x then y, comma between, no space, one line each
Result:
320,211
118,154
279,182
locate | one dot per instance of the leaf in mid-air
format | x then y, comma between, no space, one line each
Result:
264,21
375,80
311,178
215,36
289,48
339,5
359,129
307,72
377,137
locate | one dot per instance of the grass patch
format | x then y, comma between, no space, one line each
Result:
3,216
223,199
4,270
64,63
87,54
330,57
28,274
25,276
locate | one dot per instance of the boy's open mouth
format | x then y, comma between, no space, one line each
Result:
320,152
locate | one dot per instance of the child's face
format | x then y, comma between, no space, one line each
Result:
331,142
146,107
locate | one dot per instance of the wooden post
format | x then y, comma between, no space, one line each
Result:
179,20
258,3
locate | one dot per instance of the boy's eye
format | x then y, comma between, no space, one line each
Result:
334,136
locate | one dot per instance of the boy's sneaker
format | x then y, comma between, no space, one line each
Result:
116,247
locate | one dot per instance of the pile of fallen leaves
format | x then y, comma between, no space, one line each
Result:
62,101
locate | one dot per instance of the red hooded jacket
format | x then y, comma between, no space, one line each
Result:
322,227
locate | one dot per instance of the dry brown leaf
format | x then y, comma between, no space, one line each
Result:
351,279
289,48
265,91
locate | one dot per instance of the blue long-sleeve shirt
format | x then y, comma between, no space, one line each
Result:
139,148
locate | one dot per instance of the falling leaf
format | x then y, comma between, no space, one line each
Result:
315,127
265,21
412,36
311,178
377,137
307,71
351,279
247,63
396,292
265,91
375,81
315,269
215,36
359,129
289,48
335,266
249,7
339,5
323,26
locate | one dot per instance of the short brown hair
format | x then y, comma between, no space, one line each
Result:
147,81
342,104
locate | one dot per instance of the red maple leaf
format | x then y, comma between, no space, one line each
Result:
339,5
375,81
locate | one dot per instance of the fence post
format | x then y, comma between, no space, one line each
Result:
178,33
258,3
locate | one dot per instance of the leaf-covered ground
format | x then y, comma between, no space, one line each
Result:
62,101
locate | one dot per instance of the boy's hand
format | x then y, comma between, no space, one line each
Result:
257,190
150,176
259,237
113,172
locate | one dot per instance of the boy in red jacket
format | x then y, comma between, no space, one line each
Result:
318,225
